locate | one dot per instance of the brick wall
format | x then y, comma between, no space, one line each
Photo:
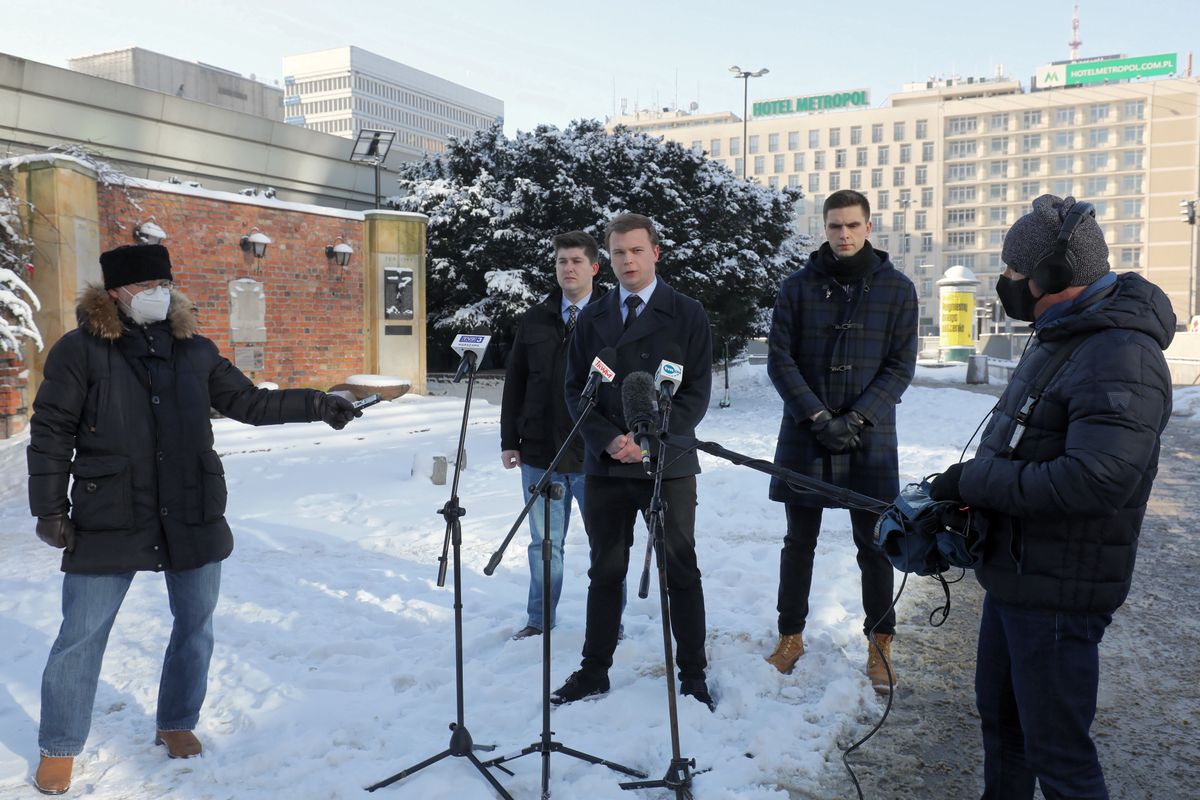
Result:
14,411
314,308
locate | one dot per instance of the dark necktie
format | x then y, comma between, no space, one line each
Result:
572,316
632,302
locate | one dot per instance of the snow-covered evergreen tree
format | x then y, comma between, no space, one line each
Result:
16,312
495,203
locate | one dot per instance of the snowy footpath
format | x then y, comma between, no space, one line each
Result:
334,664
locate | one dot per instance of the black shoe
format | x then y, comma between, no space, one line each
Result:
526,632
580,685
697,688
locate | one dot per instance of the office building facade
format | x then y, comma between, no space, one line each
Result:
346,89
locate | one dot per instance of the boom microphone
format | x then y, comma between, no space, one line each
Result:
471,346
600,372
637,404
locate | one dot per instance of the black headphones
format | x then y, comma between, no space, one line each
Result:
1055,270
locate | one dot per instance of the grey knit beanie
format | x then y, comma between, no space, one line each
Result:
1034,234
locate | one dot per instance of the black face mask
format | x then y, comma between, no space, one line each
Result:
1017,299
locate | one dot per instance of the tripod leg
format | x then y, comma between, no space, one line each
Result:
402,775
602,762
490,778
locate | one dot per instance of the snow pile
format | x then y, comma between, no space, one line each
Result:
334,665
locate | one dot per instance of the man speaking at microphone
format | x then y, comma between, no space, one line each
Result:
645,322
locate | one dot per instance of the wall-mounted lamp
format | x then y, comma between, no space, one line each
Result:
149,232
256,242
339,252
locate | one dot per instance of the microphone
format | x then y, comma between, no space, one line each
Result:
637,404
669,374
600,372
471,347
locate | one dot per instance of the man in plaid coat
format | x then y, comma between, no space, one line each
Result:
843,348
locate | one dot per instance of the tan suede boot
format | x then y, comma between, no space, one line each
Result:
180,744
787,652
877,670
54,774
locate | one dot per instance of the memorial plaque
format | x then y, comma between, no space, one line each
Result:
247,311
398,288
248,357
398,293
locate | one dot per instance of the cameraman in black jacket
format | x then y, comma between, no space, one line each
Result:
1064,499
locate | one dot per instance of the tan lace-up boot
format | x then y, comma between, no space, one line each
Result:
877,670
787,652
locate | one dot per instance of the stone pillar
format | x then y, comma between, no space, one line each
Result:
394,295
65,229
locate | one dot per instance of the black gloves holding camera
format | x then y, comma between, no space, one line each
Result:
841,433
335,410
945,487
57,530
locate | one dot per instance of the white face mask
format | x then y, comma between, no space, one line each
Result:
147,306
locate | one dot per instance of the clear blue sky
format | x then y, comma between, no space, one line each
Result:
552,62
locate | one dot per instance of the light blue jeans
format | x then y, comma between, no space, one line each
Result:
560,520
90,604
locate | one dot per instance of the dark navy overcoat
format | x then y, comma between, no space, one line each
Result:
842,347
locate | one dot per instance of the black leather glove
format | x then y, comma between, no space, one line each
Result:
335,410
57,530
841,434
945,486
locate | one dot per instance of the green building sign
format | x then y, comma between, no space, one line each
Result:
817,102
1121,69
1107,70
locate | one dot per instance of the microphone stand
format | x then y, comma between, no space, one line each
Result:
546,745
461,744
679,774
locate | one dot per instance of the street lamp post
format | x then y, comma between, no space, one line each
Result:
745,76
903,248
1187,214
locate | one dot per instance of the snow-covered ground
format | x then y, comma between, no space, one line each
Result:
334,665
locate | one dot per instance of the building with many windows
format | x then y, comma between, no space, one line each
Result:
346,89
949,165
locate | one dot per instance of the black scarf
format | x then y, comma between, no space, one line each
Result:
852,268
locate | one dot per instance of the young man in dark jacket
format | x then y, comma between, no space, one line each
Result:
534,421
1064,506
121,419
842,349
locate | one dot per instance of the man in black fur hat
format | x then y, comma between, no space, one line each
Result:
123,410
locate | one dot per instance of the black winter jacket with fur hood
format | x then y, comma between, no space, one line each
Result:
123,410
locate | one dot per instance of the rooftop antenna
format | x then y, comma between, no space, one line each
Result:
1075,42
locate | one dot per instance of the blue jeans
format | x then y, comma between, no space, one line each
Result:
1036,677
90,604
560,520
